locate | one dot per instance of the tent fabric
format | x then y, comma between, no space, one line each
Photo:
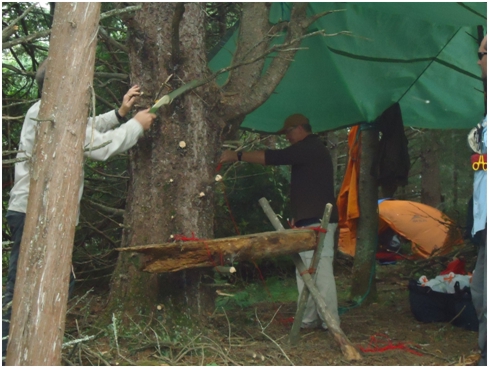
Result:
347,202
422,55
430,231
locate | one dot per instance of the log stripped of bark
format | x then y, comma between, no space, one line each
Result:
171,257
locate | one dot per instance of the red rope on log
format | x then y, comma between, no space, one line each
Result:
317,229
309,271
181,237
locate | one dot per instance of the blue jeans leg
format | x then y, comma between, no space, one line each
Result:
16,221
479,296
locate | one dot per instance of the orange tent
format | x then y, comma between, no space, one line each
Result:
430,231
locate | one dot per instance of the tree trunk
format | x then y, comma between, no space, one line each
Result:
430,169
363,285
166,177
41,290
172,169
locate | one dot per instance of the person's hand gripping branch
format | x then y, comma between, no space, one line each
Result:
144,117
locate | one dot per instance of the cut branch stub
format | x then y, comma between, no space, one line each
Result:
171,257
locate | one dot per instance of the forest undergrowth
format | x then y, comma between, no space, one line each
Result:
252,319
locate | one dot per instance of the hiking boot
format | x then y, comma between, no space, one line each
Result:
309,325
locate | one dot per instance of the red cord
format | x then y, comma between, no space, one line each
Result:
309,270
181,237
389,346
317,229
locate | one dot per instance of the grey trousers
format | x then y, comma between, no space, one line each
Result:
325,281
478,289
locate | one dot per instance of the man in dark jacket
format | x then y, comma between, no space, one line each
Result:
311,188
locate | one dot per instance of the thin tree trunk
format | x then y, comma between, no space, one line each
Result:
332,144
430,169
363,285
41,290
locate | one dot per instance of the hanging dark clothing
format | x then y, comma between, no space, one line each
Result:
391,166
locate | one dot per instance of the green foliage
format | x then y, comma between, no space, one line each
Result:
273,289
456,176
221,21
243,185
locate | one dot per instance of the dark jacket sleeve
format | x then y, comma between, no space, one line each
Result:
295,154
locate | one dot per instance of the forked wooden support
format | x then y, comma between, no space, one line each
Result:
304,297
348,350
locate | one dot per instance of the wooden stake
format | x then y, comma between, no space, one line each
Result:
304,297
348,350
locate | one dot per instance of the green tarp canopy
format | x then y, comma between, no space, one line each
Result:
422,55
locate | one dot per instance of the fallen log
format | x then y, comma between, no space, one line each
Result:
176,256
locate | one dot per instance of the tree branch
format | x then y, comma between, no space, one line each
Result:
9,31
284,47
127,9
106,209
18,71
34,36
14,160
249,100
26,39
13,27
253,38
315,17
106,37
121,76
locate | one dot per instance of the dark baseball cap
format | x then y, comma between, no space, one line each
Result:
293,121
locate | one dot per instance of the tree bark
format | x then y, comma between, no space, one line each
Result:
39,304
430,169
166,180
363,284
171,189
171,257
